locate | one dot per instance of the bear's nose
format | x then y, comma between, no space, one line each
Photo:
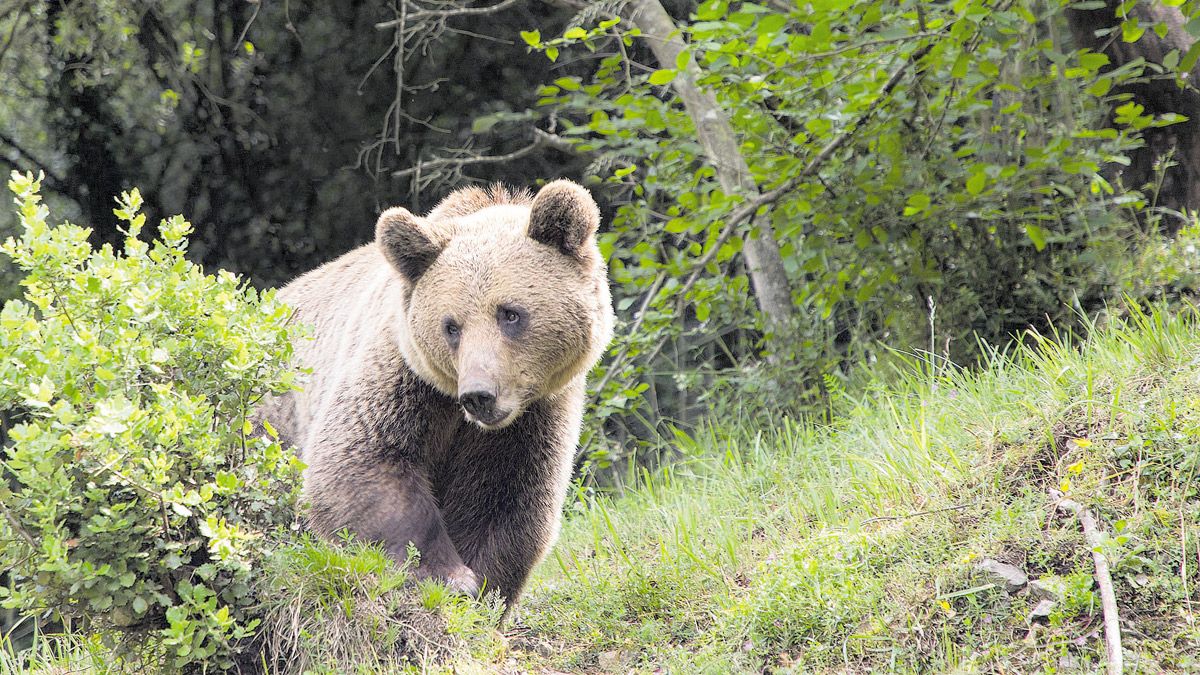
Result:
480,404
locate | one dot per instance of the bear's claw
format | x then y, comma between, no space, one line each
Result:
464,581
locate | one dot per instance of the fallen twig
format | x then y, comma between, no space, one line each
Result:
1108,599
918,513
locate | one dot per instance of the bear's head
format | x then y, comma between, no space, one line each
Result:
506,297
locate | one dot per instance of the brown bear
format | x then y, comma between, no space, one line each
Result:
446,392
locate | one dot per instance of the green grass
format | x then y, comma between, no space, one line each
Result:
854,546
848,547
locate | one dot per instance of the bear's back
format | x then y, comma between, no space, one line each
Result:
347,305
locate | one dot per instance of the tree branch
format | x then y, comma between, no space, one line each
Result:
1108,599
420,14
771,196
637,323
540,139
576,5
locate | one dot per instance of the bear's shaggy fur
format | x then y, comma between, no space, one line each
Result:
448,361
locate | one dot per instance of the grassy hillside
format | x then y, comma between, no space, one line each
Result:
857,546
852,547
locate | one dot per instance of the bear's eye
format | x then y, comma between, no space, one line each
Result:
451,329
512,321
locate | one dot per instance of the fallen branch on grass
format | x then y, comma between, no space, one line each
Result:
906,516
1108,599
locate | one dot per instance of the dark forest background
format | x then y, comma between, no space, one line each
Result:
263,122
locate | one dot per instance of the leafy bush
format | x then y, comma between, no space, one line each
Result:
136,501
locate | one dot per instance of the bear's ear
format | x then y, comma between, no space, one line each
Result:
406,242
564,216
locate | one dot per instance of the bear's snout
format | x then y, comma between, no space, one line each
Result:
481,405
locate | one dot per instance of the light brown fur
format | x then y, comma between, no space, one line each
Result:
392,453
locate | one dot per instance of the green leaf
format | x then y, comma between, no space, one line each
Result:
677,225
532,38
1037,235
770,25
1131,30
1093,60
226,480
1189,59
959,70
1193,27
976,182
917,203
1171,60
1100,87
711,10
552,53
568,83
663,76
575,33
481,125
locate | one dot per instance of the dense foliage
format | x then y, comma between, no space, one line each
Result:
137,502
935,175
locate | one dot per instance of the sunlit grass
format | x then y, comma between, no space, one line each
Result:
853,545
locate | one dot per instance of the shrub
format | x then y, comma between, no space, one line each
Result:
136,501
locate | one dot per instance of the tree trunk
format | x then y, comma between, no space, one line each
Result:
715,134
82,119
1181,183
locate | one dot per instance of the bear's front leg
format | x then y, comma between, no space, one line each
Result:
502,499
389,503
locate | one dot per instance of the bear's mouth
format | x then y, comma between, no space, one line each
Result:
490,420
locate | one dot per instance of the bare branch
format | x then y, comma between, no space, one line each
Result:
418,24
576,5
1108,598
540,139
637,323
287,22
246,29
421,14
